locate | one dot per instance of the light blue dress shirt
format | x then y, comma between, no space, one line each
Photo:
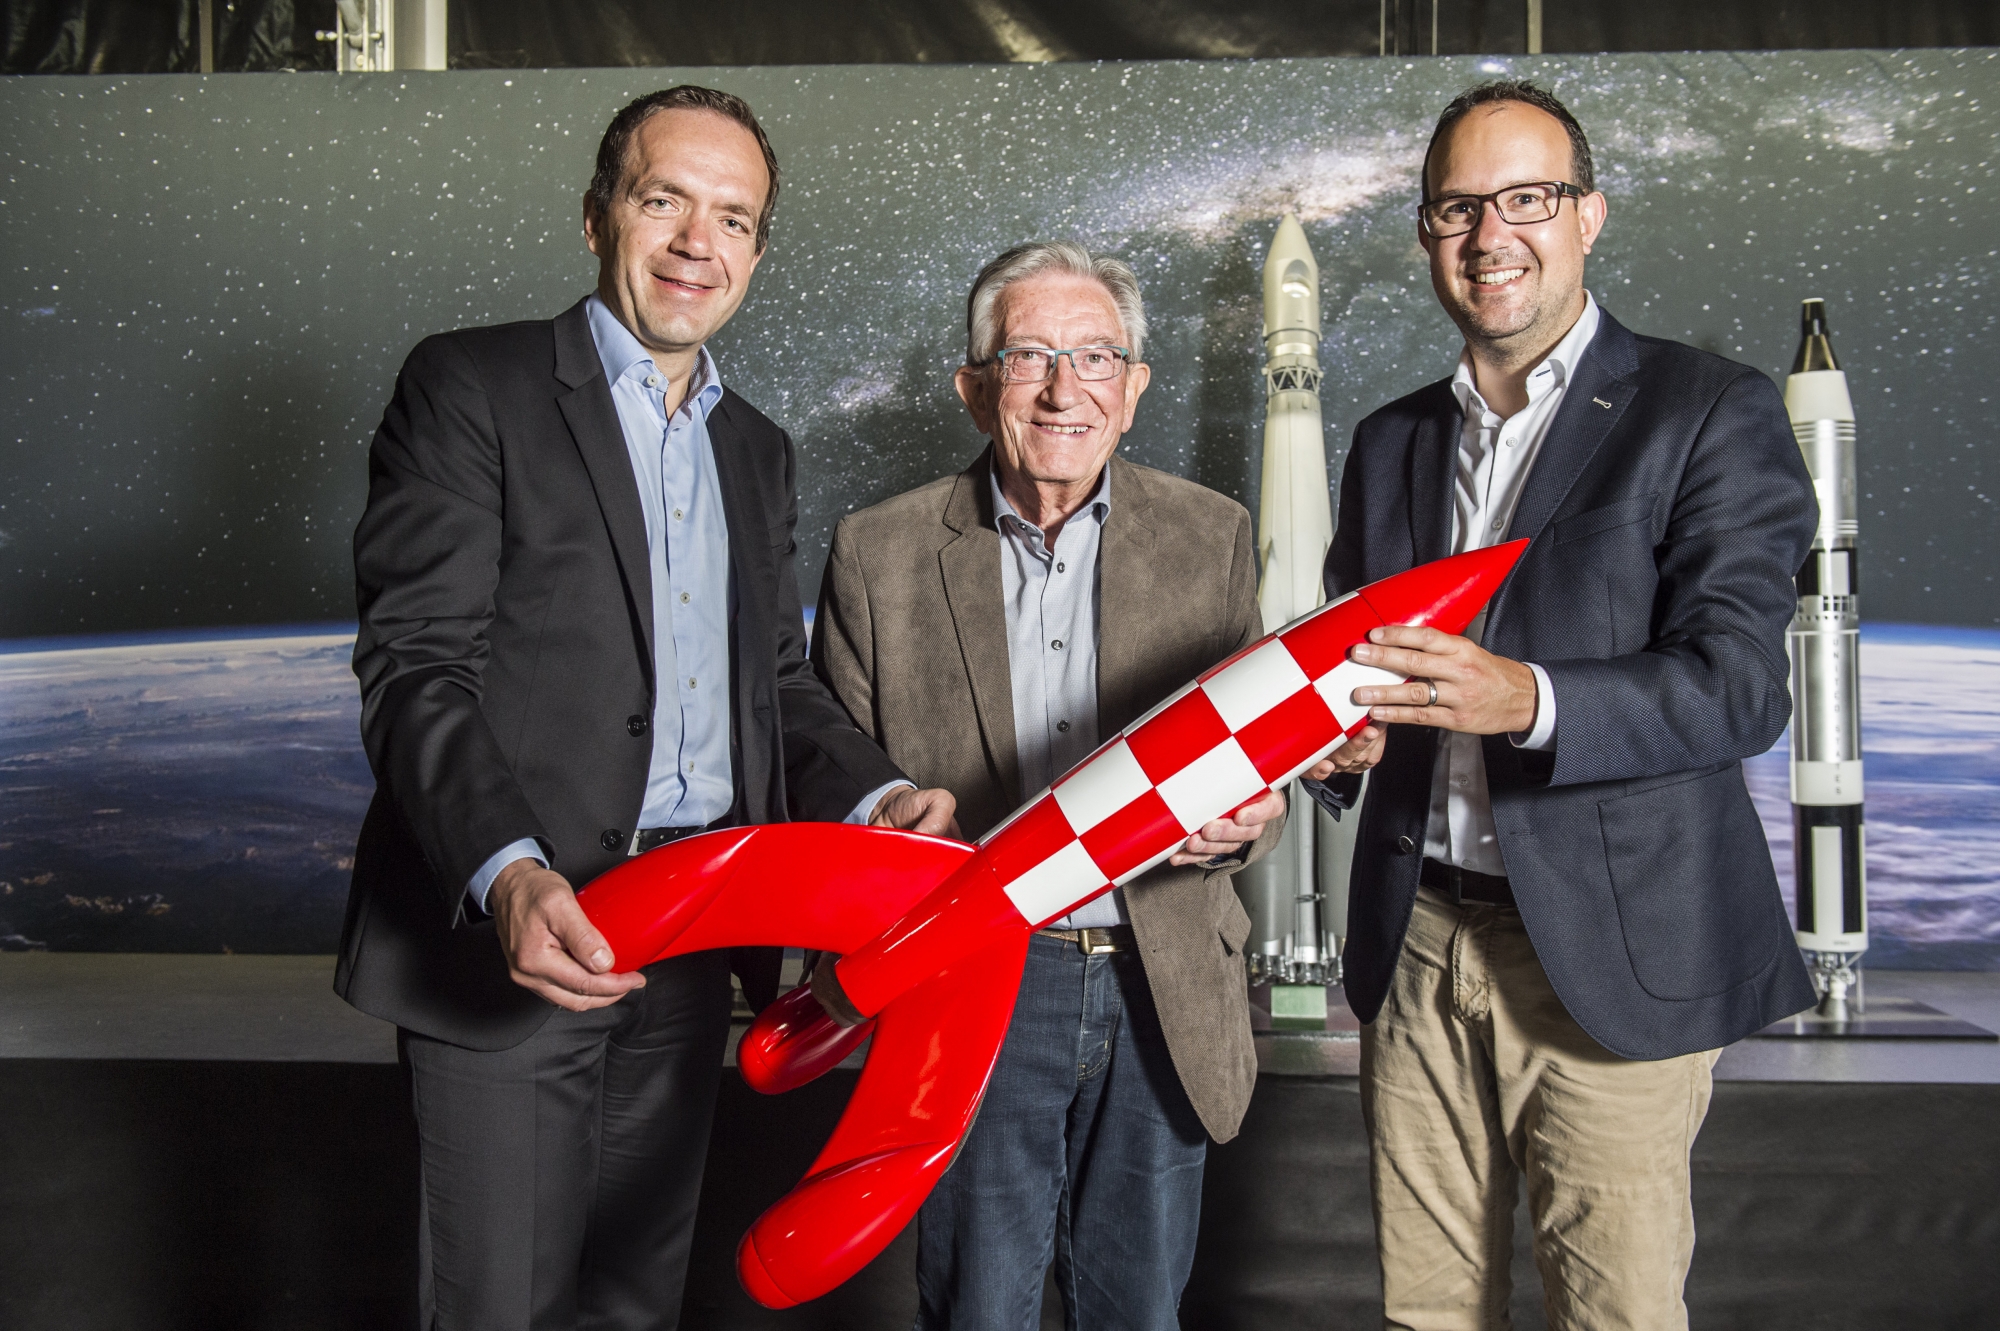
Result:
1051,595
689,782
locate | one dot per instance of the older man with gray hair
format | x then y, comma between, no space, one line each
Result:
988,630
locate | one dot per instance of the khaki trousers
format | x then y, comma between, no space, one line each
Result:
1472,1075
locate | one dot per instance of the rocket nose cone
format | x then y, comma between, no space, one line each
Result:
1448,594
1291,281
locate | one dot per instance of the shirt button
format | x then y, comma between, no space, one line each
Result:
1061,567
635,725
652,381
1497,524
677,515
690,681
1056,644
1062,727
684,598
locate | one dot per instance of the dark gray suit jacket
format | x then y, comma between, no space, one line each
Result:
1670,509
506,660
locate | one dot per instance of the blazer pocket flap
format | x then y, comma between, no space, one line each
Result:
1639,508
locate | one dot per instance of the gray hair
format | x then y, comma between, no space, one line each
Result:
982,307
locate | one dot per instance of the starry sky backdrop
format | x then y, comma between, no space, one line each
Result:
209,283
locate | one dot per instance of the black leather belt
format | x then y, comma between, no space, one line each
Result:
1463,885
1116,938
652,838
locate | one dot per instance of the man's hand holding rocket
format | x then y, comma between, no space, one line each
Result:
1454,684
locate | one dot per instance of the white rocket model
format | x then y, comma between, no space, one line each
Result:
1294,927
1825,643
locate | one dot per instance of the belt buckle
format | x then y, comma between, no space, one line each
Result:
1095,942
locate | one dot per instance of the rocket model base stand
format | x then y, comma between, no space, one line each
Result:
1828,842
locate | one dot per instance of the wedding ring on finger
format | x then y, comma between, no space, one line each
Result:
1432,685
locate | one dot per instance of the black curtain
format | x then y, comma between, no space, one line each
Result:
163,36
100,37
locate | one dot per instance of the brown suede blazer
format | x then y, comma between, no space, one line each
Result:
911,633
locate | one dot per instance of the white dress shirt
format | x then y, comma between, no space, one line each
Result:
1494,459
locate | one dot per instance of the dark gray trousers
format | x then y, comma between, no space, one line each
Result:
560,1177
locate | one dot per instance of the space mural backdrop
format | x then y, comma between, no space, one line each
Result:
210,284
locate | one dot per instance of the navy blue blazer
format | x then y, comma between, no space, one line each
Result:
1669,509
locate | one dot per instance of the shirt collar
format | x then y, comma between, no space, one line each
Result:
622,354
1098,505
1556,369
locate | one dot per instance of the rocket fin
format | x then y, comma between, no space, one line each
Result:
927,1070
831,886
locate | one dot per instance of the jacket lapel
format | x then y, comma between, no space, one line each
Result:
1592,403
1128,596
732,473
753,616
1433,461
970,564
593,425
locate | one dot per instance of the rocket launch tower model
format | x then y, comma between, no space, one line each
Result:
1825,641
1294,927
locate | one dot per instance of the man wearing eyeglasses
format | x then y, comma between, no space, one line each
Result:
1563,903
988,630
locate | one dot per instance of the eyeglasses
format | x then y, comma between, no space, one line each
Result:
1518,205
1033,365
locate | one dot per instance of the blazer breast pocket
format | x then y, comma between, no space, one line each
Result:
1639,508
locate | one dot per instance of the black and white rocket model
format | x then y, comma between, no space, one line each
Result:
1825,643
1296,896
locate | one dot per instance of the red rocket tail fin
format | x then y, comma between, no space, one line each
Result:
933,1054
1447,594
793,1041
830,886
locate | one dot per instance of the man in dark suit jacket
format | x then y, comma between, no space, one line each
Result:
581,638
1563,903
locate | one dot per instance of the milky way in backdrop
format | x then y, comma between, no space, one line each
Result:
210,282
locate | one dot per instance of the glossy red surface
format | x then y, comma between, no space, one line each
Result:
816,885
793,1041
1446,594
919,1090
932,933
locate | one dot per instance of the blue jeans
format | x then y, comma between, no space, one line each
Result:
1086,1153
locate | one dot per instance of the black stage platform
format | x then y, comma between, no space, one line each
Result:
217,1142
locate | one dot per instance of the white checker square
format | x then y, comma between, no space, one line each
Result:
1211,785
1054,887
1254,685
1336,688
1101,787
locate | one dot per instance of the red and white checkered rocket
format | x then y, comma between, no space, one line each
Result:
932,933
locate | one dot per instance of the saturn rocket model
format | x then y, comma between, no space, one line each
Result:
1293,926
1825,639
